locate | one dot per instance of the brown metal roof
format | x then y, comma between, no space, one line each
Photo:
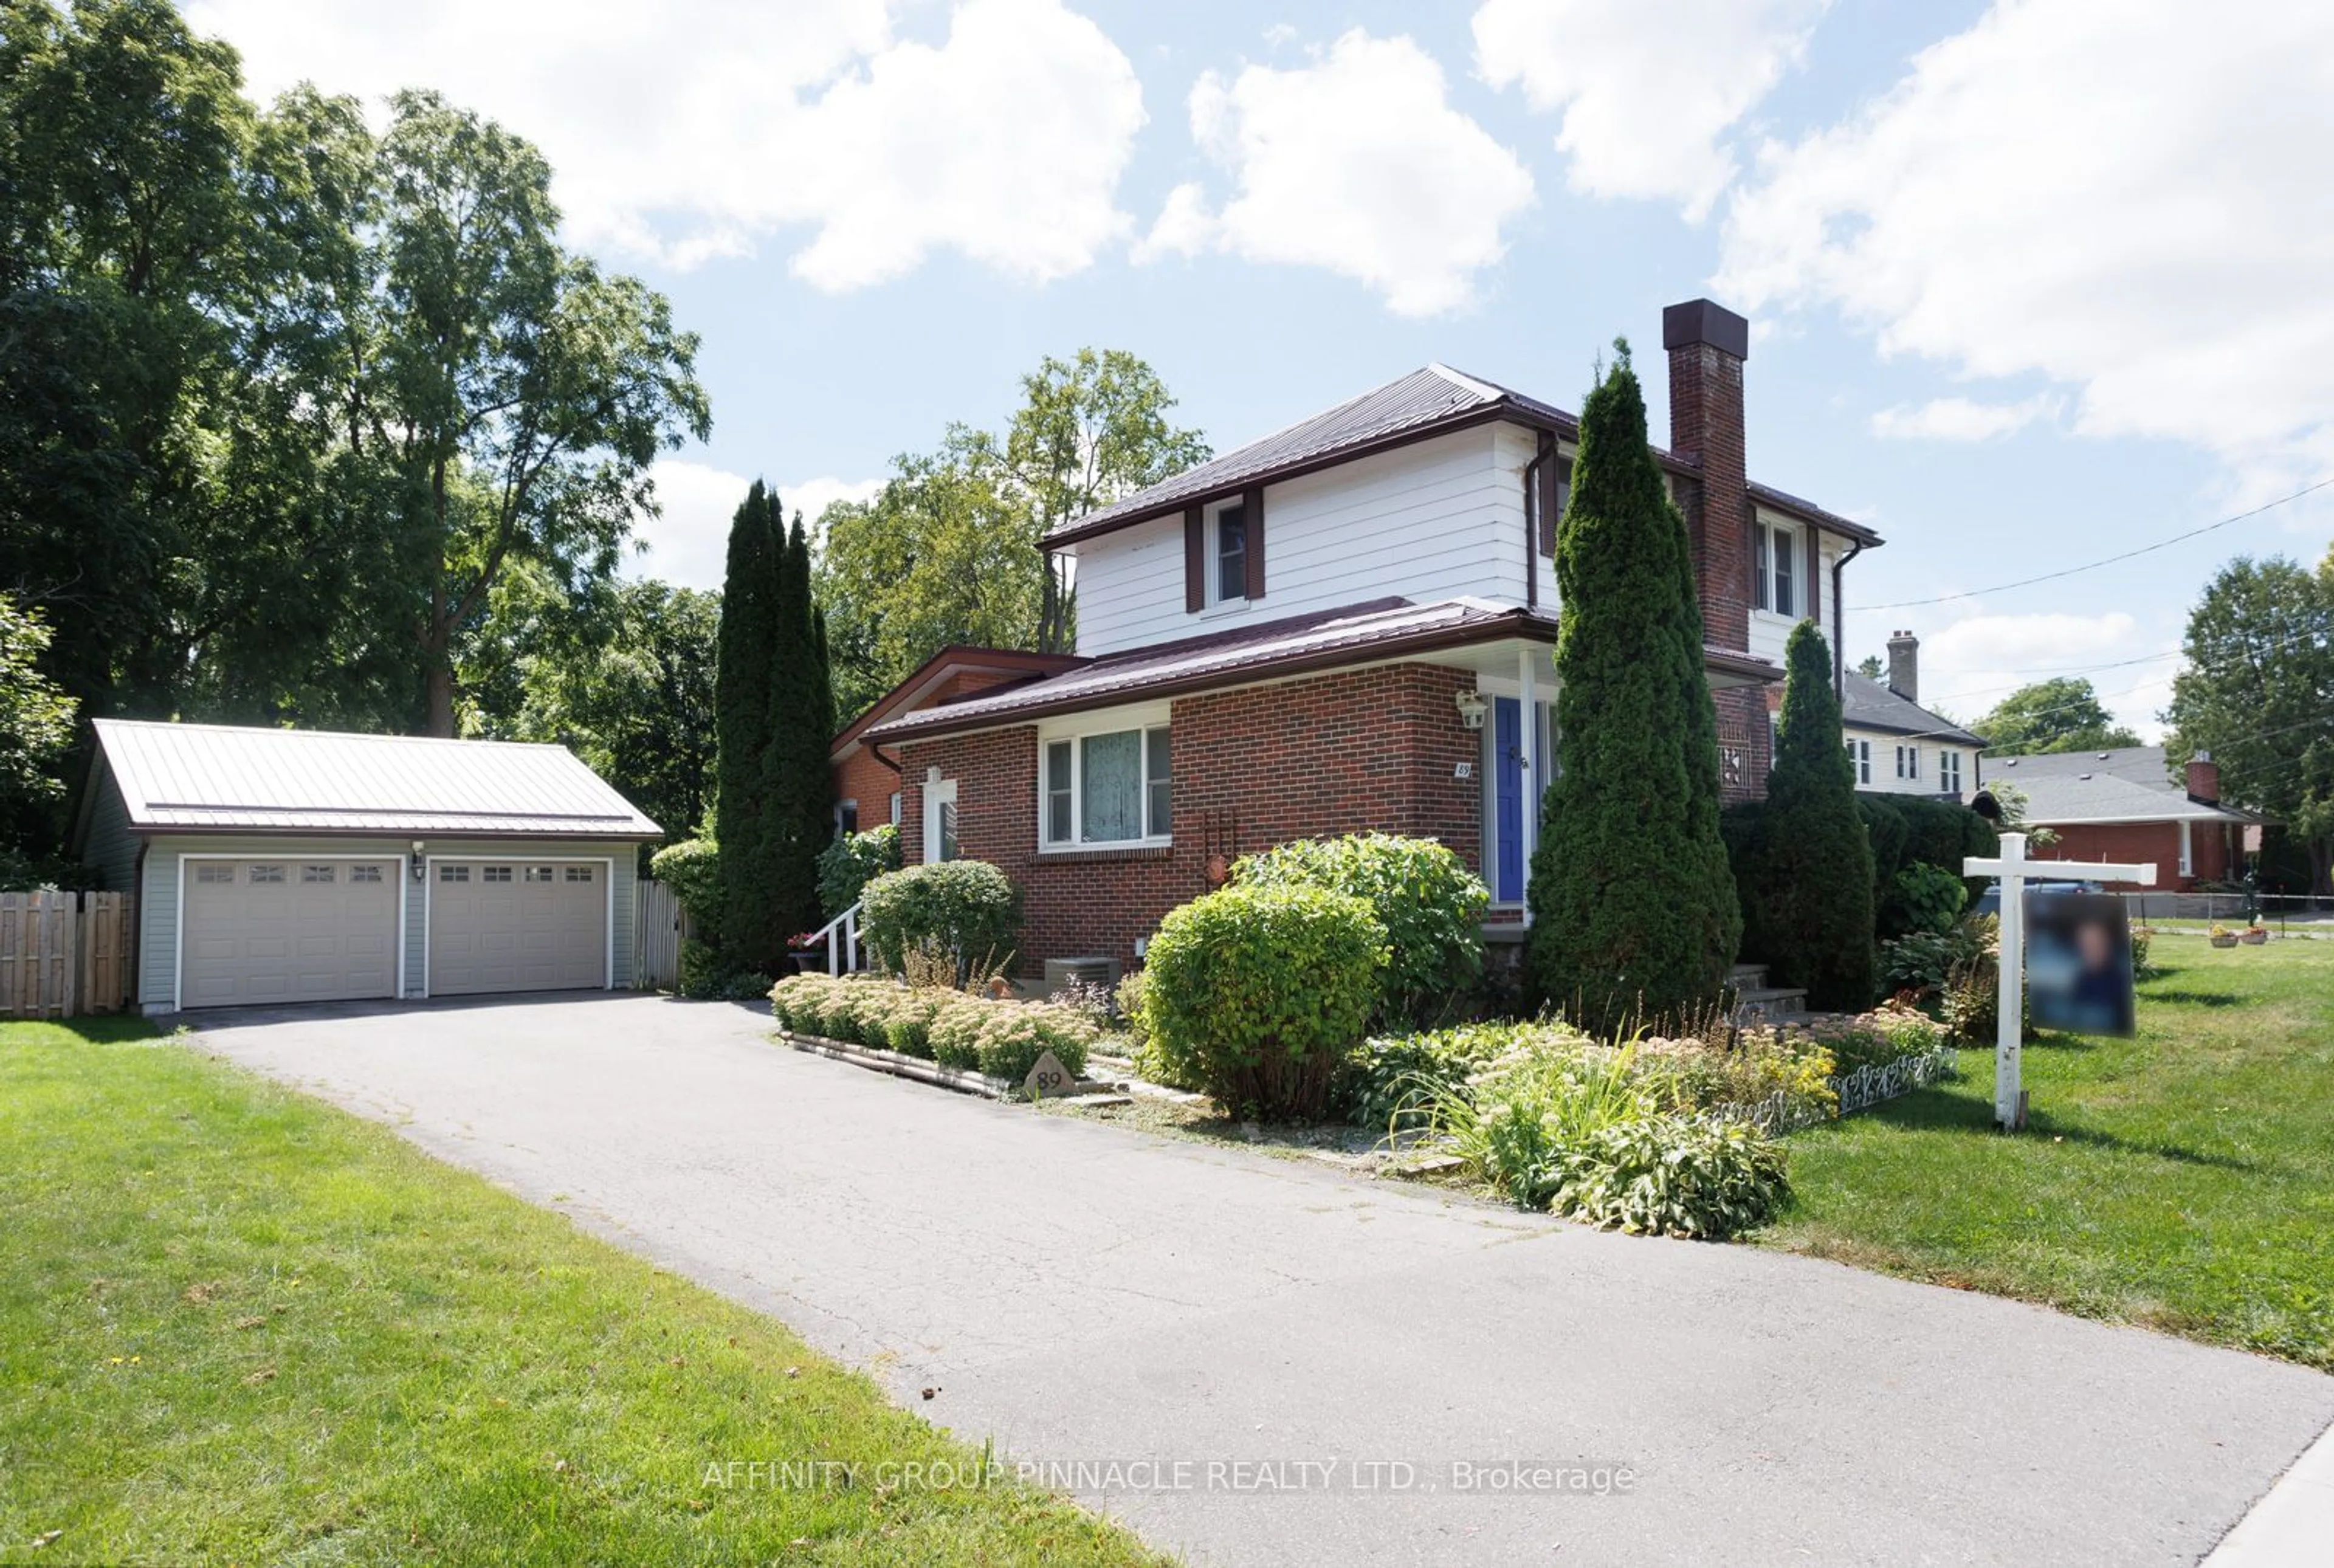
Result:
1325,639
938,667
202,777
1429,401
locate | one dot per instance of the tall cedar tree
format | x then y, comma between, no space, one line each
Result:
797,786
752,929
1811,900
1633,911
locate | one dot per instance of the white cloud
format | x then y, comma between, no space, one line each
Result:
1355,162
1961,420
2129,209
695,128
690,544
1650,93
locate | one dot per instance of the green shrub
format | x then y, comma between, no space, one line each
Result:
1889,1033
1431,905
1263,993
1669,1174
692,870
799,1003
966,909
851,861
1153,1062
1922,898
1018,1032
706,975
1395,1080
954,1033
909,1030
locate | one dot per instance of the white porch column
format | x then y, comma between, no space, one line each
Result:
1528,679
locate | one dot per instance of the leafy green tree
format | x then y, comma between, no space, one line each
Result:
624,677
797,783
36,722
1634,908
1090,430
949,552
524,393
2061,714
1870,668
752,929
2257,691
1808,905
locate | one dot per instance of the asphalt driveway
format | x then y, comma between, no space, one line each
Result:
1261,1360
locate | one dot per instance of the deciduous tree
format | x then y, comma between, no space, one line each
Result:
2061,714
2257,692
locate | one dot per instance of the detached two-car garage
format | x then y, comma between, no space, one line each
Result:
290,866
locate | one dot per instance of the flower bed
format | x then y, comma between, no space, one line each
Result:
1000,1040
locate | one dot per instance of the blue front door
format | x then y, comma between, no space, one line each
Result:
1507,793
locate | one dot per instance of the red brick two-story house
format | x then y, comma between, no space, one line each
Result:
1345,625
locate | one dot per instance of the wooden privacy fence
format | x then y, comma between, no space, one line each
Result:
63,954
659,926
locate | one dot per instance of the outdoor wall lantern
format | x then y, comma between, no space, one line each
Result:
1470,710
417,860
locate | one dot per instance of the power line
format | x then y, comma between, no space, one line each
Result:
2111,560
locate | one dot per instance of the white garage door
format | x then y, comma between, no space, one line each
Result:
515,925
287,930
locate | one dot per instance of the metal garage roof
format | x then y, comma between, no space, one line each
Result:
204,777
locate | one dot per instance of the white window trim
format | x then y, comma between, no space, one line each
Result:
1782,537
1217,601
179,934
429,891
1860,752
1150,716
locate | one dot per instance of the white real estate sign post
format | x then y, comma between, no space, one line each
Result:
2016,871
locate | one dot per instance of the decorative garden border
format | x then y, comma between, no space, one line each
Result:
1858,1090
963,1080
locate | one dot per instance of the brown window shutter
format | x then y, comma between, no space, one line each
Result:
1254,504
1195,560
1552,476
1815,576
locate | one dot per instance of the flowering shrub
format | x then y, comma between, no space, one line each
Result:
1671,1175
1001,1038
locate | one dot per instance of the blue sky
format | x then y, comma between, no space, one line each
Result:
2032,283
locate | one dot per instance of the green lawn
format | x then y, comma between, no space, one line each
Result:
2184,1179
237,1325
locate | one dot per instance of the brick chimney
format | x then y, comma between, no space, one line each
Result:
1904,664
2205,779
1707,344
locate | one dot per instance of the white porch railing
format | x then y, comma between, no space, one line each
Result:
841,936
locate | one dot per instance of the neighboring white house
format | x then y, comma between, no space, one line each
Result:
284,865
1898,747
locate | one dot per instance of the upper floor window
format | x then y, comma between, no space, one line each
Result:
1111,788
1775,584
1230,554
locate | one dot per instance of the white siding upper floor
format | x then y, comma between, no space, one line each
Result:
1437,519
1887,763
1771,632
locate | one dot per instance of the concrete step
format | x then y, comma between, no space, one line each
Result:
1747,976
1771,1004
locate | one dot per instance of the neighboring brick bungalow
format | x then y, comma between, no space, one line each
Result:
2124,806
1347,625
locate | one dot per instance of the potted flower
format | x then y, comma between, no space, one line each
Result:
2254,935
2221,936
809,953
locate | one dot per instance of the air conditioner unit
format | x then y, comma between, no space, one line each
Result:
1060,972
